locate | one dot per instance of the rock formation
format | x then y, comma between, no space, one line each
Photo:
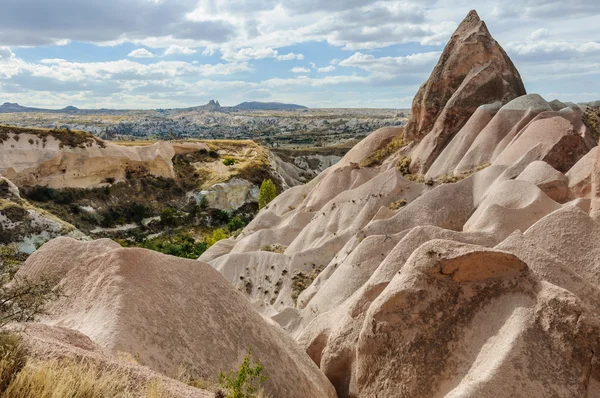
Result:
25,226
403,285
191,316
473,70
473,273
40,157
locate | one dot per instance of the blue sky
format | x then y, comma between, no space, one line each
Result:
339,53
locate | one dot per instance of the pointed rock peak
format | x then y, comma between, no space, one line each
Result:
471,23
473,70
471,17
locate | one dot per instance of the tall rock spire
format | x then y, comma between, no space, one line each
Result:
473,70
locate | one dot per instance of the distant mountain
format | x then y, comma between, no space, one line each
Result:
212,105
9,107
267,106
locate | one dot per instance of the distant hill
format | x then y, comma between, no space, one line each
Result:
9,107
212,105
267,106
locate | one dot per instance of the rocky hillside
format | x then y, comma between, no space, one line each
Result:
456,257
138,191
445,258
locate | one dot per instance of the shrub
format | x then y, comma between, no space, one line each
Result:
217,235
246,382
169,217
220,216
213,154
235,223
203,203
180,245
229,161
267,193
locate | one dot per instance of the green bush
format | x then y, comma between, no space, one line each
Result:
235,223
246,382
229,161
169,217
220,216
267,193
180,245
217,235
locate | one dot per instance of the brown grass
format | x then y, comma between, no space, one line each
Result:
377,157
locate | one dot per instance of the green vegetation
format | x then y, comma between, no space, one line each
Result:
179,244
228,161
235,223
267,193
217,235
246,382
377,157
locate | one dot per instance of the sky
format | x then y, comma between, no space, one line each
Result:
133,54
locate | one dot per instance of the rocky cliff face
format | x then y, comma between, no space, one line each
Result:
60,159
473,70
23,227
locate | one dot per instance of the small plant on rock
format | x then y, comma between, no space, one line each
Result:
246,382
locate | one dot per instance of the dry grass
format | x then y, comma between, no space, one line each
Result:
276,248
54,379
22,377
452,178
398,204
377,157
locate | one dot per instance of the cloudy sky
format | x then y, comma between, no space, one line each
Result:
332,53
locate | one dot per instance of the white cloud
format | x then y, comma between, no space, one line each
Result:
299,69
5,52
326,69
544,50
415,63
175,49
290,57
247,53
538,34
140,53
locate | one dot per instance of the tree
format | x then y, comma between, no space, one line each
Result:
267,193
235,223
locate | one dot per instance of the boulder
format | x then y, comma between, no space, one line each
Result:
230,195
172,312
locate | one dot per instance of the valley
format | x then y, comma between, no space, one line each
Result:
270,250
